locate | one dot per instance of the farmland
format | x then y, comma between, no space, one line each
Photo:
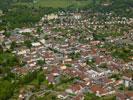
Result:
57,3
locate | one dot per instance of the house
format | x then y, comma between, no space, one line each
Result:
75,89
128,79
52,16
104,81
48,56
79,97
77,16
95,74
26,30
124,96
55,71
101,91
42,41
18,38
22,51
67,61
117,83
62,96
20,70
7,43
35,44
95,42
63,67
50,79
21,95
2,38
92,74
2,31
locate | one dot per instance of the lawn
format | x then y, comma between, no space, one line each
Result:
60,3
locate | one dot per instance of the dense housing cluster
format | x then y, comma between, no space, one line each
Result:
68,53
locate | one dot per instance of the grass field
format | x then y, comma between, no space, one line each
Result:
61,3
57,3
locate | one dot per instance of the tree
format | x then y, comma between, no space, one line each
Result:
74,55
90,96
90,61
40,78
6,90
29,77
103,65
122,87
27,43
39,30
13,45
27,34
115,76
48,96
1,48
68,65
8,60
130,88
7,34
41,62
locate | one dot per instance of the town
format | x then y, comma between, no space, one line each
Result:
78,54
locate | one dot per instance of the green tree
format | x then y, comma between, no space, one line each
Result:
28,78
6,90
7,34
74,55
8,60
13,45
41,62
90,96
27,43
40,78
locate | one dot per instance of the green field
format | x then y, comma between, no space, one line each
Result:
61,3
58,3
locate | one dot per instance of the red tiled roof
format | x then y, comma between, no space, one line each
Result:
96,88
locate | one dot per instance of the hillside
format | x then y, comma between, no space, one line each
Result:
28,12
57,3
44,3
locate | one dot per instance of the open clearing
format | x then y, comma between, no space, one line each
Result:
56,3
60,3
